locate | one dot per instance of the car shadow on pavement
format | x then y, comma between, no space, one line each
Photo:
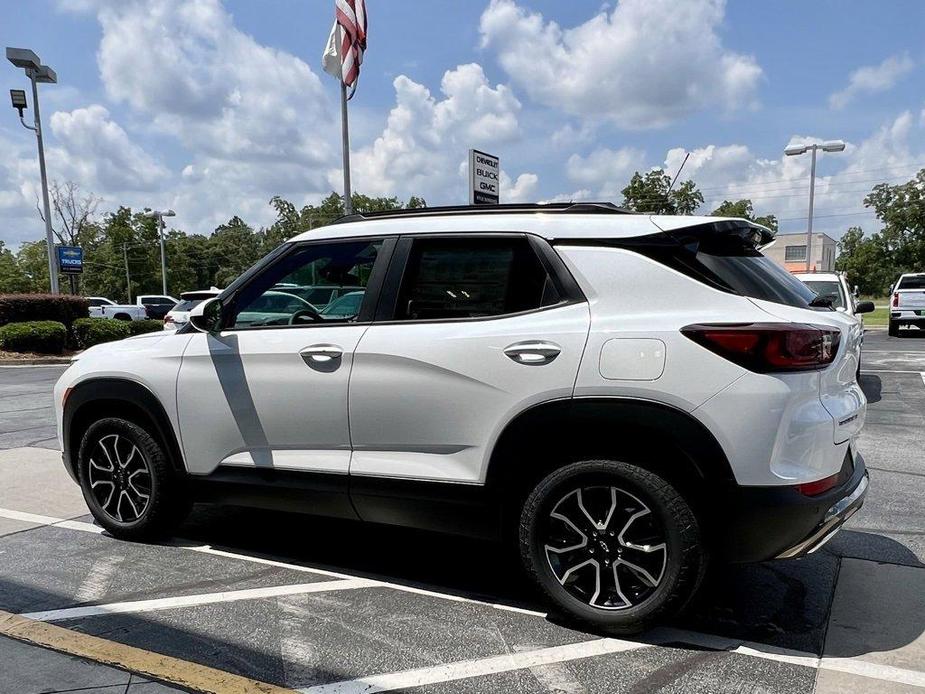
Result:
779,604
872,387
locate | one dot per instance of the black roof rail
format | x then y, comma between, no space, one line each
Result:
507,208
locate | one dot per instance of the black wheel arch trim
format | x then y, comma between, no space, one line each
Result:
99,391
703,451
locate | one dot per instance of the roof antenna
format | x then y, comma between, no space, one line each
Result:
686,157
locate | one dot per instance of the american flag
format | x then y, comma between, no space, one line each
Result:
344,52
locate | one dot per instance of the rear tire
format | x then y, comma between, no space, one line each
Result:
893,329
127,481
612,545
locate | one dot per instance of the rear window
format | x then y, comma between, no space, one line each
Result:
724,256
916,282
188,304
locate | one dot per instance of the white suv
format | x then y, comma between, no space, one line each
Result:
627,396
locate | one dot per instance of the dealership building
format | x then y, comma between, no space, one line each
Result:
790,251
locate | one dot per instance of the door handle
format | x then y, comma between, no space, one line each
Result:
321,354
533,353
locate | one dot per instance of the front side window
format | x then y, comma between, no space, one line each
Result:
456,278
281,295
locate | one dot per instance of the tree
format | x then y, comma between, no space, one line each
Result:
650,194
743,209
72,218
866,262
12,279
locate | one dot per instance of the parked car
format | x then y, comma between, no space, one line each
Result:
101,307
833,287
157,305
347,306
177,316
318,295
627,397
277,308
907,306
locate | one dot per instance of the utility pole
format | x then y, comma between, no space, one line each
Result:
158,216
128,278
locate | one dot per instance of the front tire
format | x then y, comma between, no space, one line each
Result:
612,545
128,482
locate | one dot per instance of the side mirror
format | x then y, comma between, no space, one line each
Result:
207,316
864,307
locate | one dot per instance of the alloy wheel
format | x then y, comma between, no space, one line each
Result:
605,547
119,478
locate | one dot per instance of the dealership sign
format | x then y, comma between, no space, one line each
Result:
484,174
71,259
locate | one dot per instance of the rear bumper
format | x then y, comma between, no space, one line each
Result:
781,523
908,317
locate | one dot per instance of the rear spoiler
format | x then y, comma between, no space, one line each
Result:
748,232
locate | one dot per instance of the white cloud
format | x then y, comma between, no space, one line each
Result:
422,149
871,79
185,65
606,170
99,153
643,64
521,190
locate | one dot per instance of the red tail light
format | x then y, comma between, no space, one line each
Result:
895,299
769,347
819,486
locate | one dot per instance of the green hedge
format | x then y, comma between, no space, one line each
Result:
44,337
148,325
63,308
86,332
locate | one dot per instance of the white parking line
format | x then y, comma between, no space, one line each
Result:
491,665
465,669
155,604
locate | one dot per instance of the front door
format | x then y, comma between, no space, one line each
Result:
270,390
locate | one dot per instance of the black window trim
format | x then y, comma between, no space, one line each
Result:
387,305
370,298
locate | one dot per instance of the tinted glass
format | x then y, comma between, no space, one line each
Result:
188,304
828,290
276,296
912,283
473,278
756,276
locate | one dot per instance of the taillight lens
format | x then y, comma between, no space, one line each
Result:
819,486
769,347
895,299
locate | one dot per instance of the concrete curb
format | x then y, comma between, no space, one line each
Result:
42,361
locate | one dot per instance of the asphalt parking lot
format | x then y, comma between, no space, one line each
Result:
245,600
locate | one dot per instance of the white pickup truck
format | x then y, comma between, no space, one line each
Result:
907,307
101,307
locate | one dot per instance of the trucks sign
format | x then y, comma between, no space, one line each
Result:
484,174
71,259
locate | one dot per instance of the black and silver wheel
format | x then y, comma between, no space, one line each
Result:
611,544
127,481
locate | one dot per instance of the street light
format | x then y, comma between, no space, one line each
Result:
795,150
159,216
37,73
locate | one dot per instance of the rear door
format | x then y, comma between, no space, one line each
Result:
471,330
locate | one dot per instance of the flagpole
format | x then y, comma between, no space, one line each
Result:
345,135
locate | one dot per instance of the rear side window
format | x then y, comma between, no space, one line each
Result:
917,282
449,279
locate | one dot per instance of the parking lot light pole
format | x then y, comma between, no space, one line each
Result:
159,216
794,150
37,73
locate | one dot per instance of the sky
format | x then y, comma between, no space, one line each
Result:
211,108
